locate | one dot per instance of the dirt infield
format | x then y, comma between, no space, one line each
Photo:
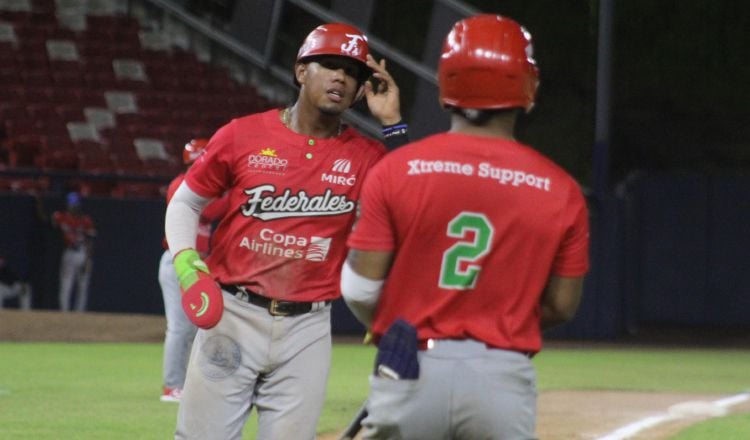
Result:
562,415
55,326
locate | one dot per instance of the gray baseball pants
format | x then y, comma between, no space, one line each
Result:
465,391
279,365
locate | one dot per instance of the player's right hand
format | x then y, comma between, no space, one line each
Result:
202,299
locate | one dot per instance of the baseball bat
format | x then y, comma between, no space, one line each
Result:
356,424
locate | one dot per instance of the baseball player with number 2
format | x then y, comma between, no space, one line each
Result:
262,298
474,241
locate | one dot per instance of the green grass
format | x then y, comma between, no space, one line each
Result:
98,391
734,427
685,370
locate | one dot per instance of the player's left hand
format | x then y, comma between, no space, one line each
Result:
383,99
202,299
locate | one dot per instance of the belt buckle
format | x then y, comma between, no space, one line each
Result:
273,309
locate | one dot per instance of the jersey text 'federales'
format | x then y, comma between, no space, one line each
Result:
286,204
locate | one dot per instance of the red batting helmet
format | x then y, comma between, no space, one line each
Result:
193,150
487,63
335,39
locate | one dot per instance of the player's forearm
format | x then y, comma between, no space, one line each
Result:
560,301
182,217
360,294
552,317
365,313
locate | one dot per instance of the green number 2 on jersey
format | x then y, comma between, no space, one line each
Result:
459,268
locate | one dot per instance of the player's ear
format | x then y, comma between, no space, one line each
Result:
360,92
300,72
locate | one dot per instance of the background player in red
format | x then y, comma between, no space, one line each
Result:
500,234
180,332
293,178
78,233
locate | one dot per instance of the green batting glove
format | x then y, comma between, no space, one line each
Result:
202,299
187,263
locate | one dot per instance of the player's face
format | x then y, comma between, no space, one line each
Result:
330,83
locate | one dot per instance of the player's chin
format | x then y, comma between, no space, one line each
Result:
333,109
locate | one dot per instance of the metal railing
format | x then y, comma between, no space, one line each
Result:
260,64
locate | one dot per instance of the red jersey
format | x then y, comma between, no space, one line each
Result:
477,226
214,211
76,229
292,200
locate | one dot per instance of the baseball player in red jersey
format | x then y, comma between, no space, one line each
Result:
180,332
477,241
262,298
78,233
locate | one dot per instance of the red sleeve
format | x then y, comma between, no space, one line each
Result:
572,256
210,173
372,230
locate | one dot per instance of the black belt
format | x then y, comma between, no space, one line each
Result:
274,306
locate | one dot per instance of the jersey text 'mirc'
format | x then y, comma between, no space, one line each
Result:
485,170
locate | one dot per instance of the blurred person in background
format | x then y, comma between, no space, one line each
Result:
78,234
180,332
13,286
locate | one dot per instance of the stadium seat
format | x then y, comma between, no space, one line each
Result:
12,94
138,190
91,97
100,80
8,34
82,131
36,77
22,149
15,17
70,112
100,117
57,160
15,128
121,101
62,50
37,94
125,160
83,87
41,111
29,185
62,78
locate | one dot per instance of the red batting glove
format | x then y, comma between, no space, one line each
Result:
202,299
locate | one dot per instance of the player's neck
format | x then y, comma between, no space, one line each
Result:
315,123
500,126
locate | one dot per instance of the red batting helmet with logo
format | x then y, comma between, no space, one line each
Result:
488,63
193,150
335,39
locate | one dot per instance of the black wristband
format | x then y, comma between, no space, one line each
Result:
395,135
